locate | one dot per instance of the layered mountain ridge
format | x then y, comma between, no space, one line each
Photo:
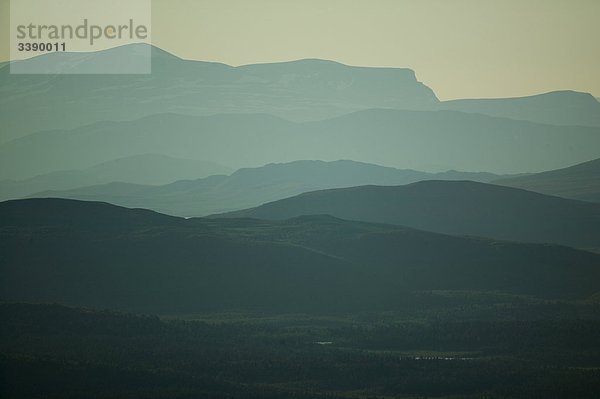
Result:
144,261
451,207
250,187
301,90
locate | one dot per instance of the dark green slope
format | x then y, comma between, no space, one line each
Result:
581,181
57,213
411,259
452,207
250,187
100,255
154,262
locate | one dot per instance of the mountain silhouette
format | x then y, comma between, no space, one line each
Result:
452,207
302,90
581,181
139,169
558,108
250,187
421,140
297,90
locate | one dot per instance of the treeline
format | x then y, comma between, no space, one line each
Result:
547,339
53,351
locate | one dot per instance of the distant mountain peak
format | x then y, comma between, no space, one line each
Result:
329,63
571,94
560,107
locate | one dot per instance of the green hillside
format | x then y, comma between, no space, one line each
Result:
452,207
100,255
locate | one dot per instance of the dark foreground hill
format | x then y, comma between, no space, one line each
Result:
452,207
251,187
100,255
581,181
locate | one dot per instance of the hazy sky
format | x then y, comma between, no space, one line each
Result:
460,48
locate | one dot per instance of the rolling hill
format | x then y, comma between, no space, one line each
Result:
581,182
452,207
96,254
251,187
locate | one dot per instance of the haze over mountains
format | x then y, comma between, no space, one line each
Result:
358,238
182,122
231,116
580,181
141,169
137,259
399,271
298,90
252,186
421,140
451,207
557,108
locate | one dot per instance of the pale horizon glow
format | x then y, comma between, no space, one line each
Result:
459,48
